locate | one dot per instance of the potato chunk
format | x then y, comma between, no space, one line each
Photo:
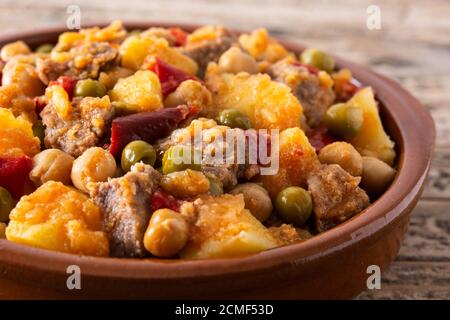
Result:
59,218
21,70
140,92
112,33
267,103
262,47
12,49
223,228
371,140
297,158
135,49
16,136
11,97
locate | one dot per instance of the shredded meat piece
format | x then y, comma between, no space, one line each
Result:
88,123
207,51
336,196
314,97
83,61
125,202
227,171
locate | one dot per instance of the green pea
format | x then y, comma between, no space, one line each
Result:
44,48
6,204
317,59
135,32
90,88
343,120
176,158
294,205
137,151
234,119
39,131
121,108
215,186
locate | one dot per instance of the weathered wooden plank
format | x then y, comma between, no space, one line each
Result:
413,280
406,293
438,183
428,236
441,157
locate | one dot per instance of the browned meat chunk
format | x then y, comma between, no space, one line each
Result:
306,86
286,234
125,202
227,171
336,196
81,62
206,51
87,123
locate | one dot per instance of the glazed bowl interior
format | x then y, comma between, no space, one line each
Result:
408,124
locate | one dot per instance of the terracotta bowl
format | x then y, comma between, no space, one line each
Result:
331,265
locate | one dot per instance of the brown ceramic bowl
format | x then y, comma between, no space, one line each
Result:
330,265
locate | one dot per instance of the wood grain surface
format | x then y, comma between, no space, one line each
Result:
412,46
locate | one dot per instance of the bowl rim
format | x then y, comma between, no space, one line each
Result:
416,134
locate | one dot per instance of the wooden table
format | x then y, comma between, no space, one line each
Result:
413,47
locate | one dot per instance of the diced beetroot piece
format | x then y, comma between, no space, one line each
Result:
67,83
320,137
180,36
169,76
147,126
14,174
163,200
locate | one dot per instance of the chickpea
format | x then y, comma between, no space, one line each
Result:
51,165
94,165
234,60
21,70
166,234
343,154
162,33
189,92
376,176
256,198
13,49
185,184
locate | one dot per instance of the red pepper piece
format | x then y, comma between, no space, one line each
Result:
180,36
169,76
320,137
162,200
67,83
346,90
147,126
14,174
311,69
